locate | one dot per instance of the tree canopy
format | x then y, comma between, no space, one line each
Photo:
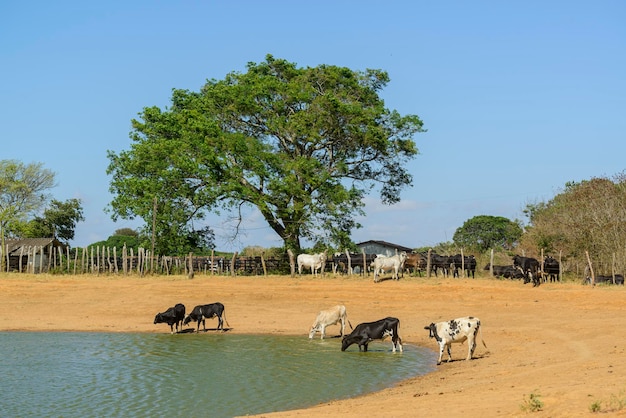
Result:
302,145
586,216
59,220
484,232
23,191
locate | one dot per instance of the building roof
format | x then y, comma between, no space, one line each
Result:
15,245
386,244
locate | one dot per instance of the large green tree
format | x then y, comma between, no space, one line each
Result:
302,145
484,232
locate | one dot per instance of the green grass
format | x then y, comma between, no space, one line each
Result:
532,403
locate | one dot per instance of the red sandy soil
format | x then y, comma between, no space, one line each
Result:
564,343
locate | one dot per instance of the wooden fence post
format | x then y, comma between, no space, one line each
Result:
593,277
190,272
232,264
365,267
462,264
263,263
291,262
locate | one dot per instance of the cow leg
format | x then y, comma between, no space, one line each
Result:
441,347
220,323
449,346
471,347
397,342
343,326
323,332
364,342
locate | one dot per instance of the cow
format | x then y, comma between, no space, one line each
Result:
377,330
467,262
455,331
354,263
172,316
530,267
439,262
394,263
551,269
415,261
608,279
313,261
201,312
508,272
330,317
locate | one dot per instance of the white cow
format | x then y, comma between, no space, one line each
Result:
456,331
313,261
330,317
394,263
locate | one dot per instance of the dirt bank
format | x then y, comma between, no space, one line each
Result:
562,342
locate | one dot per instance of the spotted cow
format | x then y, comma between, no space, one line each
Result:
455,331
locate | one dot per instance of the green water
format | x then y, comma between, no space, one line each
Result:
200,375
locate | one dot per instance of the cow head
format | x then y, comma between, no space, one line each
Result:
313,330
346,342
187,320
432,331
158,318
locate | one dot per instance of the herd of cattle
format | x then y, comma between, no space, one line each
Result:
529,269
175,316
445,333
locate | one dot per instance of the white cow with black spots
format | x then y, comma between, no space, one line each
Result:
455,331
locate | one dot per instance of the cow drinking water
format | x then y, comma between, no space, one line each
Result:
378,330
172,316
455,331
330,317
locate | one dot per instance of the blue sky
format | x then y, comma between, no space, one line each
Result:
518,97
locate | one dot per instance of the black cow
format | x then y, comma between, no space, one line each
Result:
468,262
172,316
530,267
619,279
551,269
201,312
439,262
378,330
508,272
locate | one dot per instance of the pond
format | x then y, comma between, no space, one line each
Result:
77,374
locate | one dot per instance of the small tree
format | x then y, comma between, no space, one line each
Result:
59,220
23,192
484,232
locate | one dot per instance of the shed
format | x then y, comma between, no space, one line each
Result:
26,251
382,247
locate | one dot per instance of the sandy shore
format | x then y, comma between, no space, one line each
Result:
561,342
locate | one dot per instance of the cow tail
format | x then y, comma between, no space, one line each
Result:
224,316
350,324
480,329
